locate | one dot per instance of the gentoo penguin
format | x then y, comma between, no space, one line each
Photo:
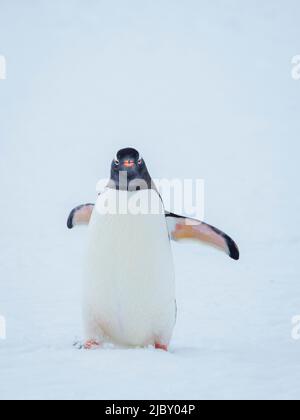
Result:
129,281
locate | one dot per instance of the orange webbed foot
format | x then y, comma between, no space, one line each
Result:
163,347
91,345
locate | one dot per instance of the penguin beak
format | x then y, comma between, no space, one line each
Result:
129,163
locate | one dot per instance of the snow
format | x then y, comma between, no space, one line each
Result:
203,90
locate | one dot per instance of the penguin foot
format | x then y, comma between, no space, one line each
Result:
161,347
91,345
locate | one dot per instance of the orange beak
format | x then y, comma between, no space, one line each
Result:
129,163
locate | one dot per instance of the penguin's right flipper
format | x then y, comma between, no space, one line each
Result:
81,215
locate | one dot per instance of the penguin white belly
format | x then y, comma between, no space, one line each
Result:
129,285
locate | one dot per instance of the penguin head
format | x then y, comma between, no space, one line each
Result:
130,165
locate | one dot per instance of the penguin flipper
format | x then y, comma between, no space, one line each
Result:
182,228
81,215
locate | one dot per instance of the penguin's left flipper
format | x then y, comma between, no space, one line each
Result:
182,228
81,215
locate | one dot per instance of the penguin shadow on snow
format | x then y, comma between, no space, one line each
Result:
180,352
81,345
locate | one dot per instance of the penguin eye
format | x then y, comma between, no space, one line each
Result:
117,162
140,161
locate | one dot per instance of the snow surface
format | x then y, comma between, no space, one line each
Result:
204,90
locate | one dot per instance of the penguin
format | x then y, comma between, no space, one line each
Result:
129,296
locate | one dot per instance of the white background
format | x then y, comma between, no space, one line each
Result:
204,90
